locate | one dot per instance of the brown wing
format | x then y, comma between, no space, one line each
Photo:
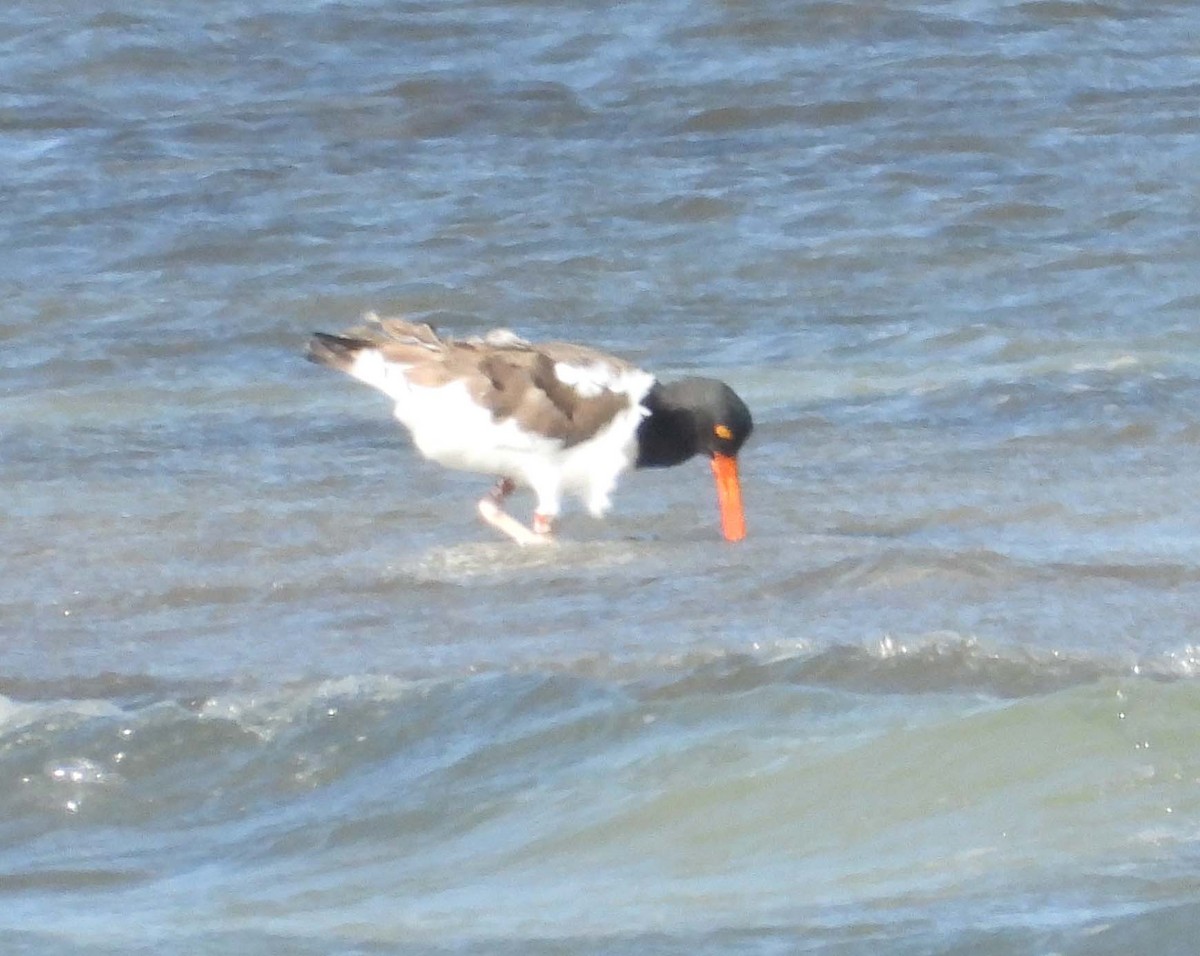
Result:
512,378
581,355
430,359
524,386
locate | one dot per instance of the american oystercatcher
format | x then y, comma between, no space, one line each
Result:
552,416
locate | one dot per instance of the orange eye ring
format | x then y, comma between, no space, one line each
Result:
723,432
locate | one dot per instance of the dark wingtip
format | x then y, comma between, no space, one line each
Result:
336,351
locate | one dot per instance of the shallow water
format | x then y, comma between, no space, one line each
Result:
267,685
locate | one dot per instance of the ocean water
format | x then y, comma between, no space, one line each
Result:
268,687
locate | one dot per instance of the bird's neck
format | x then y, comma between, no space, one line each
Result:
667,435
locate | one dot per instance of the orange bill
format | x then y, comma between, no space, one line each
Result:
729,497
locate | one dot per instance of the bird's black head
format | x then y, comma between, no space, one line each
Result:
690,417
699,416
725,417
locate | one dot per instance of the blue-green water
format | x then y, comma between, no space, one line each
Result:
268,687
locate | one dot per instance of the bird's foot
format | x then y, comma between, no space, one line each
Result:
493,514
543,525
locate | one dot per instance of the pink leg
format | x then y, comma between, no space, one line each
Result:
491,510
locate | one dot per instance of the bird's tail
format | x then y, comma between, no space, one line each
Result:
336,351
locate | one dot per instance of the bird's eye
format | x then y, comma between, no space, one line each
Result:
723,432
